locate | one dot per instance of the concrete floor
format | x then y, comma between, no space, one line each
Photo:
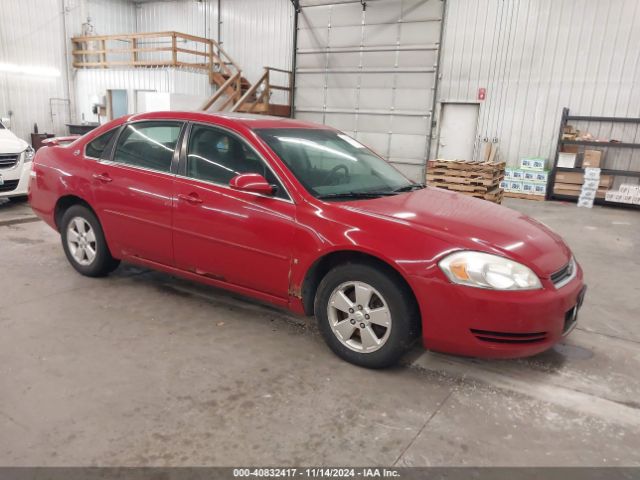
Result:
144,369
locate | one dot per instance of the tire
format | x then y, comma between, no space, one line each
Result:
374,345
97,260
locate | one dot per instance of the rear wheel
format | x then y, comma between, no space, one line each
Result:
365,315
84,244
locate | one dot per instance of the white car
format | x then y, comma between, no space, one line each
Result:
15,164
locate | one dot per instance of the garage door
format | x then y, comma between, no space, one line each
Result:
368,69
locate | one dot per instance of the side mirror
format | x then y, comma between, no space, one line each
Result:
251,182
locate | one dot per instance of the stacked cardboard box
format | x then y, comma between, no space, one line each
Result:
627,193
528,181
570,183
477,179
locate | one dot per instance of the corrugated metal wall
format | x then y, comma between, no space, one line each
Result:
187,16
258,34
255,33
535,57
31,34
108,17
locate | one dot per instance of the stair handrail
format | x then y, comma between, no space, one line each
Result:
223,53
251,91
220,91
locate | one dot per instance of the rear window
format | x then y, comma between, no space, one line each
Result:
96,147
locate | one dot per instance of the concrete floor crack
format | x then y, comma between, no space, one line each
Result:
435,412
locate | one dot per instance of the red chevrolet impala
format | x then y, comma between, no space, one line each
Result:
305,217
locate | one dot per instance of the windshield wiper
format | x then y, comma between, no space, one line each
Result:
355,195
410,187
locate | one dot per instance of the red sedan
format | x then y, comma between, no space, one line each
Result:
305,217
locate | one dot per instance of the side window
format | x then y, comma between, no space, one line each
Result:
217,156
95,148
148,144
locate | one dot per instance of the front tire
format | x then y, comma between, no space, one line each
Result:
366,315
84,244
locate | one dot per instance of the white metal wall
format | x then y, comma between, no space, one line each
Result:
187,16
256,33
535,57
31,34
371,72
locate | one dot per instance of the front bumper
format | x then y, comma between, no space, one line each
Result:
496,324
20,174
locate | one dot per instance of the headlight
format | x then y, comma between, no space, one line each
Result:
482,270
28,154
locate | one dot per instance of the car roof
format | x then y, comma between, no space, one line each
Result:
248,120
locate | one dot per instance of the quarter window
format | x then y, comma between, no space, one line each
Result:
95,148
217,156
148,145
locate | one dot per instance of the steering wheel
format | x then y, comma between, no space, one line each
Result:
334,171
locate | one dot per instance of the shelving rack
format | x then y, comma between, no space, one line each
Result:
589,143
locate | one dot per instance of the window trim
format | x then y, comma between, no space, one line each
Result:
182,169
176,151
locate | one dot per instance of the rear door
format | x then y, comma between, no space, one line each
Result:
228,235
133,190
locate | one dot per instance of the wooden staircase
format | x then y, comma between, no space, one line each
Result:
180,50
235,93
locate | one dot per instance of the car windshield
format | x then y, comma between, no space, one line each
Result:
330,164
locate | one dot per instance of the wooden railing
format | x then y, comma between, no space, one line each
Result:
232,88
258,97
153,49
181,50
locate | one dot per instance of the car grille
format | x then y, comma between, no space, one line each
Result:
9,160
508,337
9,185
562,276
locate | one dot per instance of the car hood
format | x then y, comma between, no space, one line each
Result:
9,143
471,223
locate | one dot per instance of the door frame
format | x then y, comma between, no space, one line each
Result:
440,117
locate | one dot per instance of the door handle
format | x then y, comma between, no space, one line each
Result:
103,177
192,198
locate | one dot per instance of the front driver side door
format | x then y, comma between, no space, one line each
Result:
237,237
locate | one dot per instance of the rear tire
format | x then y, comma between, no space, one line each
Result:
84,244
366,315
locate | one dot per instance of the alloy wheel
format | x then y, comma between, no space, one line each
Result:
81,241
359,317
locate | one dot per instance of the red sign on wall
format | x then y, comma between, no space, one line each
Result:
482,93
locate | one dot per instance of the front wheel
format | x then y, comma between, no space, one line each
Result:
84,244
366,315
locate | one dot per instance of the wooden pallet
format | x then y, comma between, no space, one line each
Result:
524,196
470,166
465,180
465,173
480,179
493,195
